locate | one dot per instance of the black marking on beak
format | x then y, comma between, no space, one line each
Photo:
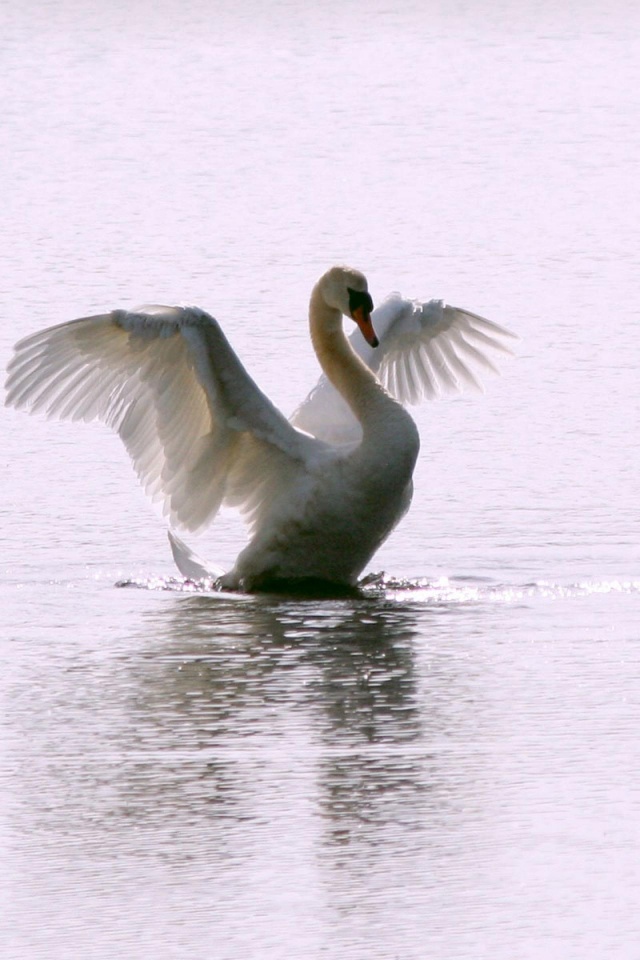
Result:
360,298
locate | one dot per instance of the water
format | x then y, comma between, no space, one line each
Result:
447,767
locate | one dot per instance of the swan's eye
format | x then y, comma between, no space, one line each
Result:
360,299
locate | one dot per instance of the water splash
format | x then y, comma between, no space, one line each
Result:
441,591
460,590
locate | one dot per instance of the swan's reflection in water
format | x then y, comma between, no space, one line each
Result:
263,750
283,711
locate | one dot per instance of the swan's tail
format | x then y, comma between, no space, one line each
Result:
189,564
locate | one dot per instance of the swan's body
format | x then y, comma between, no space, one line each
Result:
320,493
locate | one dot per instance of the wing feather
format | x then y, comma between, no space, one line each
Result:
430,383
195,425
459,362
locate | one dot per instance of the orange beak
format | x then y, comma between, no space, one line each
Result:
363,319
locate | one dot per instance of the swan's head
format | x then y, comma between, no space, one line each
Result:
345,289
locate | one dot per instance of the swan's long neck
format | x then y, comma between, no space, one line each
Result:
346,371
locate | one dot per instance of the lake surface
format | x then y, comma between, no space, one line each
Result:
448,767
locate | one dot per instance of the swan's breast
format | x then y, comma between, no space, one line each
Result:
390,446
347,510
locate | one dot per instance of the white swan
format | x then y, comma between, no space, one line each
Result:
321,492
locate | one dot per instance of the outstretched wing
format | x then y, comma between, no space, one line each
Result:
167,380
426,350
